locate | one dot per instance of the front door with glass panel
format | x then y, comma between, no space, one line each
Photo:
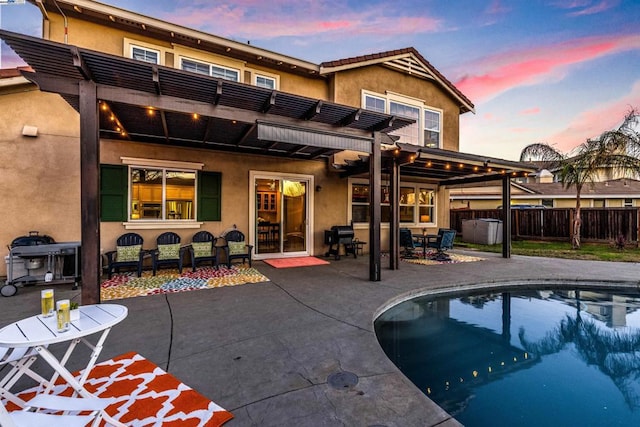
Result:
281,216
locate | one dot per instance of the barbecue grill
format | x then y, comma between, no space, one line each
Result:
27,257
340,235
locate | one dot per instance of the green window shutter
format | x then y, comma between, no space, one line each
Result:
209,196
113,192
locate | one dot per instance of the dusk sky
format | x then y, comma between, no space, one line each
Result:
555,71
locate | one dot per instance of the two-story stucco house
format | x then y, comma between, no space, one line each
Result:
129,123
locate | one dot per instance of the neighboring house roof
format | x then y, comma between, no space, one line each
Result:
616,187
7,73
407,60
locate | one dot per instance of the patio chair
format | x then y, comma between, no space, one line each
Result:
128,253
74,411
408,243
441,243
167,252
203,249
236,247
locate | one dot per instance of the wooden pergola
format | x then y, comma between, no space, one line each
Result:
129,100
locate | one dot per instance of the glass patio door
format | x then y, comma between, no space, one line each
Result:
281,212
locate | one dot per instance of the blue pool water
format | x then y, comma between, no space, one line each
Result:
522,358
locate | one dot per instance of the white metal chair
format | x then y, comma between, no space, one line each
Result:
70,407
20,361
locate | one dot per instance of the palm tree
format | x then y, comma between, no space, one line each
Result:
618,150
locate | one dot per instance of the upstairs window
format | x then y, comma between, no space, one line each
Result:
146,55
425,131
431,128
265,82
210,70
408,134
373,103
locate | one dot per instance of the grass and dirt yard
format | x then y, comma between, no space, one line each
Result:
588,251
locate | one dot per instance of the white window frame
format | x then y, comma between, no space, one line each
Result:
164,165
211,67
425,129
129,44
257,76
390,97
417,186
146,49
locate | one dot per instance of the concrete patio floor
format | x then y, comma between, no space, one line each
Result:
264,351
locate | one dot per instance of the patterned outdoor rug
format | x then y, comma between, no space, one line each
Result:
453,259
167,281
145,395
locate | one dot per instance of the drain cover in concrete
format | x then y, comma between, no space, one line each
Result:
342,380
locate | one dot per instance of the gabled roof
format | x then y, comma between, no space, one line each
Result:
407,60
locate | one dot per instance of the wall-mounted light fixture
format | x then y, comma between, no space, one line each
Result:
31,131
318,188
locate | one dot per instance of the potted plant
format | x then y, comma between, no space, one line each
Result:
74,313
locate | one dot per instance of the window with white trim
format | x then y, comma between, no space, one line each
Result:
416,202
144,54
427,129
374,103
432,128
161,193
265,82
210,69
408,134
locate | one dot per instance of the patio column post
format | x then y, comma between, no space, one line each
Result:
375,171
506,219
89,192
394,218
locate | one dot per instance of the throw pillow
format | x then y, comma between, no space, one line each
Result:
201,249
128,253
237,248
171,251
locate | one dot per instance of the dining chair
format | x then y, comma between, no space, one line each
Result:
203,249
128,253
408,243
168,251
442,242
61,411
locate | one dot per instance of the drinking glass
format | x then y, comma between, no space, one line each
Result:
64,317
46,302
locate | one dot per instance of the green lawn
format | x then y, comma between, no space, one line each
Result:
588,251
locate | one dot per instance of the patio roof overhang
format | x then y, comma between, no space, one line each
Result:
146,102
443,167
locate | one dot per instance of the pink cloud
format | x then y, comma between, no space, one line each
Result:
263,20
499,73
591,123
588,7
530,111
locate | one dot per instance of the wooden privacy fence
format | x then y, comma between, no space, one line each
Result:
598,224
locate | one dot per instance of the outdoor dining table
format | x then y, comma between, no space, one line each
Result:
37,333
424,238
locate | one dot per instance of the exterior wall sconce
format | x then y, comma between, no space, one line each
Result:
31,131
318,188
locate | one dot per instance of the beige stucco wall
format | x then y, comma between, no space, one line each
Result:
347,87
112,41
40,176
330,203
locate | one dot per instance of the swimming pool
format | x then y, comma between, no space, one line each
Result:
514,357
